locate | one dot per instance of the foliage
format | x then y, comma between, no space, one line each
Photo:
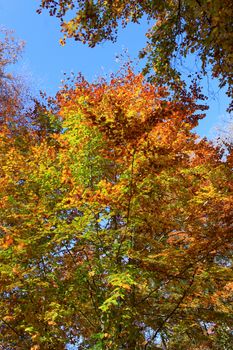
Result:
116,224
181,27
13,91
10,50
224,135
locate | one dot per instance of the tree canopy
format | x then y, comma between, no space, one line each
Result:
180,27
116,224
11,87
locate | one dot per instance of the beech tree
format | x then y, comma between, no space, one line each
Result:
116,224
181,27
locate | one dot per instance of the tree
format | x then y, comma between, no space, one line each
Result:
181,27
224,133
116,225
11,91
15,96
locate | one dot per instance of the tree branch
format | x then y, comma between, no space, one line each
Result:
173,311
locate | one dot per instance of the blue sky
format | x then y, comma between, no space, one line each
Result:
45,60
